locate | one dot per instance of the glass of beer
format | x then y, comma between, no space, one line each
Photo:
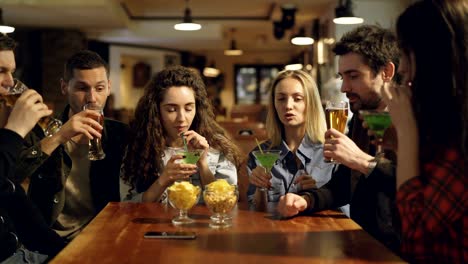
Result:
336,115
13,93
49,124
96,152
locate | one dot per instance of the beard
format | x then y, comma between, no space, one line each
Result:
371,102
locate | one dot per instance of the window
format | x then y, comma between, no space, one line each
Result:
252,82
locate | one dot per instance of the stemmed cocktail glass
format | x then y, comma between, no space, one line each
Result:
378,122
220,200
183,196
267,159
190,157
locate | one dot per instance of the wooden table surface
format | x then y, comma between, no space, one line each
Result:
116,236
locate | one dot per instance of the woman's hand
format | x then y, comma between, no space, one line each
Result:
305,182
398,100
196,141
260,178
175,170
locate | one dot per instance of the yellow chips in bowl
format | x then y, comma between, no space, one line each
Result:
220,186
220,196
183,195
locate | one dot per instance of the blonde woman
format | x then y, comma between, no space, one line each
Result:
296,126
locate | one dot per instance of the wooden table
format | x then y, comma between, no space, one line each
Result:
116,236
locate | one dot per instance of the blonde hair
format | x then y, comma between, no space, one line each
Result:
315,125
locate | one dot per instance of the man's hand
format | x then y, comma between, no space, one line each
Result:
26,112
342,149
83,123
291,204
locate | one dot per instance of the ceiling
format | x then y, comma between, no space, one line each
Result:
150,22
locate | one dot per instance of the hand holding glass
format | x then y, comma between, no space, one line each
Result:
96,152
48,124
267,159
336,115
190,157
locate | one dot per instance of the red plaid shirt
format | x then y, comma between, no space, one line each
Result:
433,212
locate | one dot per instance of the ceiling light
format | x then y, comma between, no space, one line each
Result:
344,14
211,71
301,38
187,23
293,67
233,51
4,28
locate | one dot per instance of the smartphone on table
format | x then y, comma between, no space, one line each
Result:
171,235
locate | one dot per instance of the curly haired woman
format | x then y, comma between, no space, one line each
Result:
174,105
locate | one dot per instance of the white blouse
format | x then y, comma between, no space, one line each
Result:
221,168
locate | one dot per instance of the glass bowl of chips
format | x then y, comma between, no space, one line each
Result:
183,196
220,197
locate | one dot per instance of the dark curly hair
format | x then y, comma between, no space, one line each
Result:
143,161
376,45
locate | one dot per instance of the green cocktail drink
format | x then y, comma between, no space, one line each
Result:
267,159
378,122
191,156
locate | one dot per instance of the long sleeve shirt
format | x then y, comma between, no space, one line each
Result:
20,221
371,197
221,168
434,212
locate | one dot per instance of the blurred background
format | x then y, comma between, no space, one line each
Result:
239,48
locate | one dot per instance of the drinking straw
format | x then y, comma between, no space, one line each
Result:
259,147
185,141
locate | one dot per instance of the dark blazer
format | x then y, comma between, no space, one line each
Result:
371,197
47,173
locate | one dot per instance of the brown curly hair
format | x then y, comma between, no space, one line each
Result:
143,162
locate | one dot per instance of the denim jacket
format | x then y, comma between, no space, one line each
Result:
285,170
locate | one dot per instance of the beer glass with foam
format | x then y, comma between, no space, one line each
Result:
336,114
96,152
49,124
